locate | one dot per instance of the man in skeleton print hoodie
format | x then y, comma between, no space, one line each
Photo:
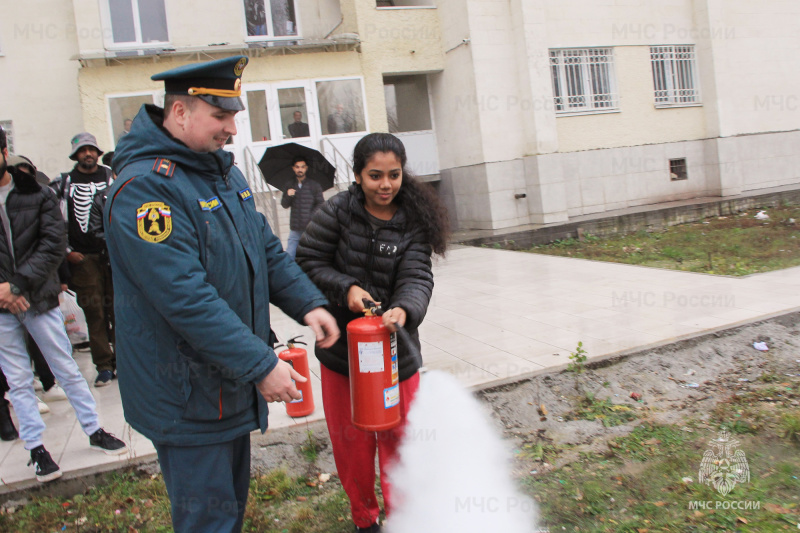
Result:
86,254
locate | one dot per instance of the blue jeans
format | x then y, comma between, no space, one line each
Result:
47,330
292,242
207,485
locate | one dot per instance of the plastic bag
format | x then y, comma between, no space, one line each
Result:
74,319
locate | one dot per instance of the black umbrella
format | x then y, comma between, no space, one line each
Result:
276,165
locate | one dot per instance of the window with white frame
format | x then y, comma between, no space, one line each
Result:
121,111
137,22
583,80
675,75
8,127
270,18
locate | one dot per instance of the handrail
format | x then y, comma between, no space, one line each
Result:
264,194
344,170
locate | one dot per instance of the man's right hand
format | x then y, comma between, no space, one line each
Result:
290,192
355,296
14,303
278,385
75,258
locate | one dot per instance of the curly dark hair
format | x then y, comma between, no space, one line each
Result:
419,200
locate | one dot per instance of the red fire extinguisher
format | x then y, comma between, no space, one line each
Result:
298,358
374,380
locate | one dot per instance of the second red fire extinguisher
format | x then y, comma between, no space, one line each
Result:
298,358
374,380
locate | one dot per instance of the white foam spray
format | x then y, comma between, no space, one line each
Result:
454,470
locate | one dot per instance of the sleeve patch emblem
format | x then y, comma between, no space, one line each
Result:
154,221
245,194
212,204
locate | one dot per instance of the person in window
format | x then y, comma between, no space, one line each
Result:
126,129
374,242
256,17
339,122
298,128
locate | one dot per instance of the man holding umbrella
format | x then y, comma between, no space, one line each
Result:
304,197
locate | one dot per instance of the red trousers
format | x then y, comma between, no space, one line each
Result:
354,449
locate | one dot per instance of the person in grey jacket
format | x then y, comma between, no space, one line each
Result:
304,197
32,243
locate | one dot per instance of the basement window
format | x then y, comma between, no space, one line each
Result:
677,169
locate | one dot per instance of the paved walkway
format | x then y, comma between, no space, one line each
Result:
495,314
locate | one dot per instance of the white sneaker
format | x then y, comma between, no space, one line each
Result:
37,385
55,394
43,407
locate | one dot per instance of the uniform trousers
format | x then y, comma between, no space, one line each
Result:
207,485
354,449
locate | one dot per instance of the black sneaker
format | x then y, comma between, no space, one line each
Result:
104,378
374,528
46,468
106,442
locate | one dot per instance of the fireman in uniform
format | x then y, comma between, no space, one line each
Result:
195,269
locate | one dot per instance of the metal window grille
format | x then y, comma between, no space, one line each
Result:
8,127
583,80
675,75
677,169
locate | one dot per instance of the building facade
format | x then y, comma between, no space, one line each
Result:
523,111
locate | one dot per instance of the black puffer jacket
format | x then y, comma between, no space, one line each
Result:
340,249
39,239
304,203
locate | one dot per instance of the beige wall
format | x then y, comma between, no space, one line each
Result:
394,41
38,81
217,22
639,121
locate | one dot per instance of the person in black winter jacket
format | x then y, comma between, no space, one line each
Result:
32,244
304,196
374,242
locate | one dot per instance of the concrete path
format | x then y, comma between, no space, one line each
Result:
495,314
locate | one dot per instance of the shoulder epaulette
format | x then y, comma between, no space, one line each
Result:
165,167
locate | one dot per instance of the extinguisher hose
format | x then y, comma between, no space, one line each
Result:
409,342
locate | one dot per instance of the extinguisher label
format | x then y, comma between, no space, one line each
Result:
391,396
394,369
301,397
370,357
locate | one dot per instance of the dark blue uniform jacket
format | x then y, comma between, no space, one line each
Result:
195,268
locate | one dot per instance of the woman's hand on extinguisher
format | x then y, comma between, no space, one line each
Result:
278,385
324,326
394,317
355,297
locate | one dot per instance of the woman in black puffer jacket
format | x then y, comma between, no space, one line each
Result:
373,241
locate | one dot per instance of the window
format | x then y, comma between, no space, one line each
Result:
138,21
407,104
341,106
675,75
270,18
8,127
259,115
583,80
122,110
677,169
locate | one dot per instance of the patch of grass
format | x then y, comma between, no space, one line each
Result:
311,447
590,408
790,424
736,245
134,501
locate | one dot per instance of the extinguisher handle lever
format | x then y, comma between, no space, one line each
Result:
294,340
372,306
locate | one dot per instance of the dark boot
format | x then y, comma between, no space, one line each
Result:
7,429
